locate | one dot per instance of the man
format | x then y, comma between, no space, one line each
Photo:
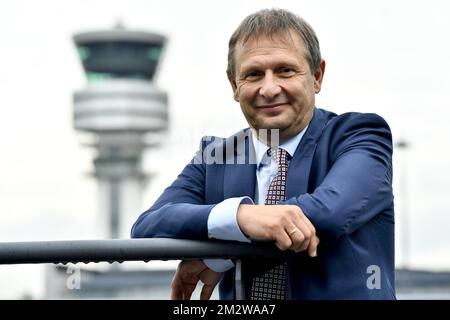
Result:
327,177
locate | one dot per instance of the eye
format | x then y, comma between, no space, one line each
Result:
286,72
253,75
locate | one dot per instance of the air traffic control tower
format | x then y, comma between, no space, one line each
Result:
120,105
122,108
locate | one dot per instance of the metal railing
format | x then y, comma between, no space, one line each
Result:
119,250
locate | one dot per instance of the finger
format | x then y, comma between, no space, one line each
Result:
283,241
304,245
189,284
296,230
301,237
297,238
207,291
189,288
300,242
178,283
312,248
176,292
307,230
308,223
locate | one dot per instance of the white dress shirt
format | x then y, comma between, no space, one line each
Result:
222,221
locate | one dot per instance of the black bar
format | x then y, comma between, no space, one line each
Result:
74,251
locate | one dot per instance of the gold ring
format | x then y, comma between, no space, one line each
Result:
293,231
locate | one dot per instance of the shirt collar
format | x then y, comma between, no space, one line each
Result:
290,145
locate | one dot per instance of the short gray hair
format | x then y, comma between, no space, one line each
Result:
269,22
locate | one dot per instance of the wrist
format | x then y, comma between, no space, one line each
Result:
242,216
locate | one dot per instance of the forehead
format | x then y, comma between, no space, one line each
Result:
288,45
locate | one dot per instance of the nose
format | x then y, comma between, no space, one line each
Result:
270,87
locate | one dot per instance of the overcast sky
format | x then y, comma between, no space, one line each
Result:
387,57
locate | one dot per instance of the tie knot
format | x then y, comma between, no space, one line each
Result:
280,155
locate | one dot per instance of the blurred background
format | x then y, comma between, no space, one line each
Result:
387,57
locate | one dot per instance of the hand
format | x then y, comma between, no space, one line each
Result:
187,276
287,225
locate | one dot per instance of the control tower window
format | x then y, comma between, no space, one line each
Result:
119,59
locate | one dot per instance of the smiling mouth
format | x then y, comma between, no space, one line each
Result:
272,106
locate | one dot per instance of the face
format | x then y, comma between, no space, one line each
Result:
274,84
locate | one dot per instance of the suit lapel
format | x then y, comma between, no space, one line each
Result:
300,165
240,169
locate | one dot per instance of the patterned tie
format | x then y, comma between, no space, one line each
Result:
271,283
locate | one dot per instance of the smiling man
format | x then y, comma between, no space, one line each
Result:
274,84
314,182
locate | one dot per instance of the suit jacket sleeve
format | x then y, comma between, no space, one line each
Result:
358,185
180,212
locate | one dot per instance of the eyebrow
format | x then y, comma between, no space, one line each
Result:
258,65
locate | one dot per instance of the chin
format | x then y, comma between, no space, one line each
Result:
281,125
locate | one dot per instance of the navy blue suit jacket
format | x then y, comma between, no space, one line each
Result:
341,178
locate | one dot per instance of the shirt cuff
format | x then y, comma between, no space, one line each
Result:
219,265
222,220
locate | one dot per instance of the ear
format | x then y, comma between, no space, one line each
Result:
318,76
234,87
